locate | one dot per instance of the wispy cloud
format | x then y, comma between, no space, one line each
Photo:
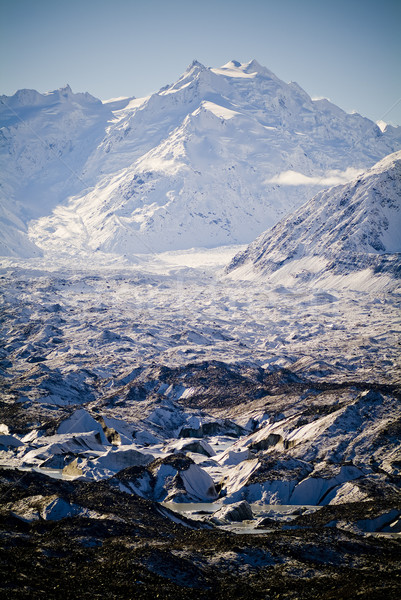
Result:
315,98
333,177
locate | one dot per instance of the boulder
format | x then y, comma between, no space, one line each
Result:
240,511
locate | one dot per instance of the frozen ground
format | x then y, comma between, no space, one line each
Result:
178,307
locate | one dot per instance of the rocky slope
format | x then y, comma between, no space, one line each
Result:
352,230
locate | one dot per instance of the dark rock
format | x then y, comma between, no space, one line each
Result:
240,511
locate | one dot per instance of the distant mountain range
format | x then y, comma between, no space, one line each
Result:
212,159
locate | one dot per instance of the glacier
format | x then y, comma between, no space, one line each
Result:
183,413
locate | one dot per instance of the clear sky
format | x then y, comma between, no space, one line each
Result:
346,50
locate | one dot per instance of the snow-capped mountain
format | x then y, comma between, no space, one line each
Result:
213,159
45,141
342,230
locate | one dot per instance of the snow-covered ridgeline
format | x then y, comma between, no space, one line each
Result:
212,159
352,230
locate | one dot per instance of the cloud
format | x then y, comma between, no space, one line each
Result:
316,98
333,177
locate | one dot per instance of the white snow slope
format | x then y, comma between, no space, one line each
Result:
213,159
349,232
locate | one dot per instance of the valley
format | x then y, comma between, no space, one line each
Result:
200,344
147,386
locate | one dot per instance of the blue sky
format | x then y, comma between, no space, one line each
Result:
348,51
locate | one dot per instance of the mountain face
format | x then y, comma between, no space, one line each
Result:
213,159
45,141
345,229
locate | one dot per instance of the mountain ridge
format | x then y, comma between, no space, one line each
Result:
342,230
196,164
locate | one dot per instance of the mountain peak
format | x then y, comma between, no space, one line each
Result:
193,72
65,93
195,66
254,65
196,63
65,90
248,69
214,158
232,64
